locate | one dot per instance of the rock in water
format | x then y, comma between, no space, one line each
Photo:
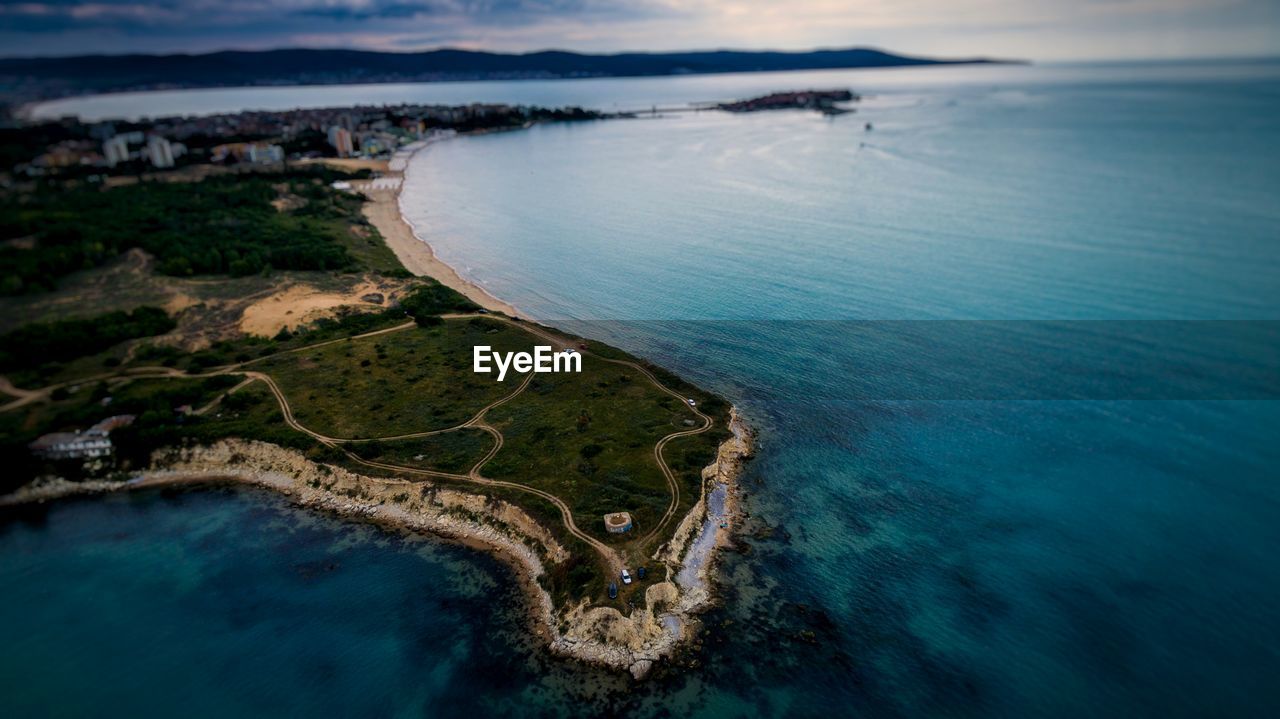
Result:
641,668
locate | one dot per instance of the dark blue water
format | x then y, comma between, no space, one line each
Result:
1093,530
232,603
951,516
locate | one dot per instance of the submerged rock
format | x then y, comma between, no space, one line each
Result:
641,669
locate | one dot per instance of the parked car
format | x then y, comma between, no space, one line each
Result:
626,577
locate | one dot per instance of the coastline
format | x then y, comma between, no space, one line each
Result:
386,214
601,635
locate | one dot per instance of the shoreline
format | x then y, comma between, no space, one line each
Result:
706,530
267,467
601,636
386,213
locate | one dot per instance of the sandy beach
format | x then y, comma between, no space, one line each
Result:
414,252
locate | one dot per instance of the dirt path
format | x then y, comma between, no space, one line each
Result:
218,400
673,484
607,554
7,387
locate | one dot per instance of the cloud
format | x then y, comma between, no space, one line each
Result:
366,11
1020,28
142,17
56,16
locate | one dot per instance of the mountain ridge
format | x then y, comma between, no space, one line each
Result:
65,75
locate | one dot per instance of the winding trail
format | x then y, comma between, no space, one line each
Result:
608,555
673,483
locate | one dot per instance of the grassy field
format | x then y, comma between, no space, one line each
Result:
414,380
588,438
455,451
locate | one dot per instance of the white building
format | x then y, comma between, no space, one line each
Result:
160,151
72,445
89,444
265,153
116,150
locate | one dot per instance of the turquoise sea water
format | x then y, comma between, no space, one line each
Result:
1012,354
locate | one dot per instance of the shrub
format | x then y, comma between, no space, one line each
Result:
39,343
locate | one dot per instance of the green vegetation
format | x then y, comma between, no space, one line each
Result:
435,299
228,224
396,383
158,405
250,412
588,438
37,344
453,452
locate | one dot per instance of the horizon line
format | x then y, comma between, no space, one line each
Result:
518,53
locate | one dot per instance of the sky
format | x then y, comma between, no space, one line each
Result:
1043,30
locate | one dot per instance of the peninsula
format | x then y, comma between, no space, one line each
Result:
823,101
267,330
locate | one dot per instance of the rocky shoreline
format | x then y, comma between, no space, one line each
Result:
597,635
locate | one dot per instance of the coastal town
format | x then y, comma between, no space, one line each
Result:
69,148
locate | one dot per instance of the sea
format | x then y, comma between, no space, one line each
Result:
1009,337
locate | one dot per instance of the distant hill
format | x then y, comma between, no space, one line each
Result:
65,75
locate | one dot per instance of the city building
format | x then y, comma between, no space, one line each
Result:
254,152
116,150
376,143
340,138
160,151
265,153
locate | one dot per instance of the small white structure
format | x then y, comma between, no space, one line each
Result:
617,523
